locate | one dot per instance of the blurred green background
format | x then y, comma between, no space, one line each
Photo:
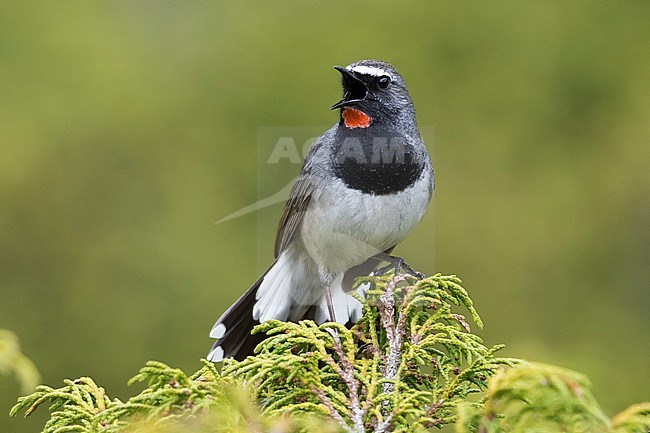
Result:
128,128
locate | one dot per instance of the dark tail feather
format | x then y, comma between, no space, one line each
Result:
233,329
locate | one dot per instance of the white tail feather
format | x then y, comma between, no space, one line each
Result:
216,354
274,294
218,331
346,307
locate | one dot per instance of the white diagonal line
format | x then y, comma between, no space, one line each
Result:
278,197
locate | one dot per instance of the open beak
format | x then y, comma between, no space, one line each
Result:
354,89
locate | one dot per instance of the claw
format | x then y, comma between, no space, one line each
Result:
399,265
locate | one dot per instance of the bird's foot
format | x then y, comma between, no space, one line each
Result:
399,265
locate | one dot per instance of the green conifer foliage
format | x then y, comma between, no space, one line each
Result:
411,364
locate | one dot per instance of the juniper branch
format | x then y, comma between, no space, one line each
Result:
411,363
377,376
12,361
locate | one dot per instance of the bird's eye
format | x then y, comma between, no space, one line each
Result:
383,82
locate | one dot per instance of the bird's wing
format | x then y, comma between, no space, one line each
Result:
294,211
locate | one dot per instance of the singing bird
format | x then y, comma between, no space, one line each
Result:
364,185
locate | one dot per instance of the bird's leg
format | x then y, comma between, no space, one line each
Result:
326,279
399,265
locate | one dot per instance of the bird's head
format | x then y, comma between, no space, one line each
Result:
373,92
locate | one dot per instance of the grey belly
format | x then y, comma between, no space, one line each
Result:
343,227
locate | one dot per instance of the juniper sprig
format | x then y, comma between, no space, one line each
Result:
405,365
411,364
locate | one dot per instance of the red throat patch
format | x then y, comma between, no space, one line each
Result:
354,118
